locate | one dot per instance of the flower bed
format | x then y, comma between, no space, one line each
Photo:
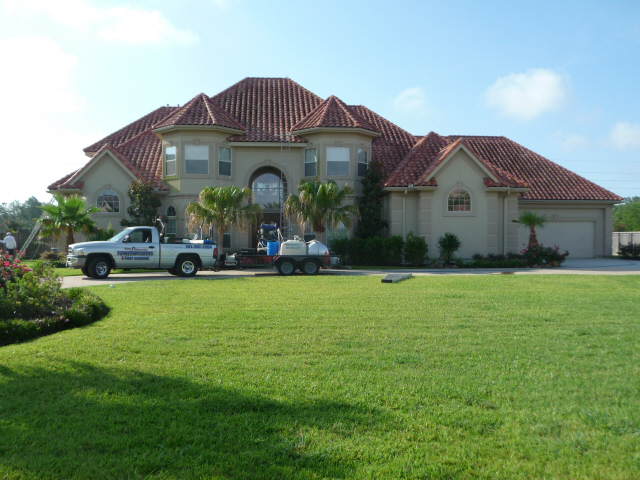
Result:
33,304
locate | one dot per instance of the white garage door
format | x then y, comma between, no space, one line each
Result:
577,237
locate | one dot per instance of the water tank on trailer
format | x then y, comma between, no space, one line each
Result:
314,247
293,247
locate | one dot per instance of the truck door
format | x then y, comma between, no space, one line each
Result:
137,250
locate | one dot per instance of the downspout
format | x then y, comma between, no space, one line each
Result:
404,215
505,219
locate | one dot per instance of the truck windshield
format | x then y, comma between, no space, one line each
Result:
120,236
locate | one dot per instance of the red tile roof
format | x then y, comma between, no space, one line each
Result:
133,129
200,111
333,112
268,108
547,180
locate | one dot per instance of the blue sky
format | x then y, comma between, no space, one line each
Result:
560,78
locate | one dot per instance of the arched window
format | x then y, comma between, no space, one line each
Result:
170,227
108,201
459,201
268,189
171,211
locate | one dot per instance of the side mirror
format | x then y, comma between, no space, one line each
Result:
126,239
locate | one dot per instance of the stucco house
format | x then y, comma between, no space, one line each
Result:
269,133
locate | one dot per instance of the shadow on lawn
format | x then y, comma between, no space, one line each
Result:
83,421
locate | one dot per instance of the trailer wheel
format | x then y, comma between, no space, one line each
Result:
286,267
310,267
187,266
172,271
85,271
99,268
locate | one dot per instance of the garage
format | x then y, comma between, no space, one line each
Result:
577,237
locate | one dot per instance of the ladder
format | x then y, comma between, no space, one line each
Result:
35,230
285,180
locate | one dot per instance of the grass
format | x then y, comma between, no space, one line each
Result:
76,272
334,377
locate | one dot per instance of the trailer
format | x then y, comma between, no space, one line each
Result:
286,256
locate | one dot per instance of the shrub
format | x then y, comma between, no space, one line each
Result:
340,246
629,251
357,251
374,251
32,303
448,245
415,250
393,248
482,263
538,254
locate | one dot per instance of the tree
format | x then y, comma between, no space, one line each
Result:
143,204
222,208
318,203
70,215
448,245
532,220
370,203
19,216
626,216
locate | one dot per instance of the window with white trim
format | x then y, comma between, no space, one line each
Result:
169,161
338,161
363,161
224,161
311,162
459,200
196,159
108,201
171,226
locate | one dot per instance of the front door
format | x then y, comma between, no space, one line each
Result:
137,251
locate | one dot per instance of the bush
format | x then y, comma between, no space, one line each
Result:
538,254
393,248
415,250
340,246
357,251
482,263
374,251
33,304
629,252
448,245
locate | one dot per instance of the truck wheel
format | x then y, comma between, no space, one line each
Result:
172,271
286,267
85,271
99,268
187,267
310,267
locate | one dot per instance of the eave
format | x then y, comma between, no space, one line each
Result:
363,131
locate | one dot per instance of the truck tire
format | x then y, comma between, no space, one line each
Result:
187,266
286,267
310,267
172,271
85,271
99,268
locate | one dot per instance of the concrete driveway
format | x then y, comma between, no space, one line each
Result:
591,266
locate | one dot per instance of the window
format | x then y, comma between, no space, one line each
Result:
310,162
108,201
169,161
196,159
363,161
338,161
459,201
171,225
140,236
268,191
224,161
226,240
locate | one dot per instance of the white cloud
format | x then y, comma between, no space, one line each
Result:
625,135
125,24
38,147
411,100
527,95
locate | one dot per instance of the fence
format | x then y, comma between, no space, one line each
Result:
36,247
625,238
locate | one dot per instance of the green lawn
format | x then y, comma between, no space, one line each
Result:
68,272
334,377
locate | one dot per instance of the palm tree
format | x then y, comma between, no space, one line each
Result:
222,207
532,220
448,245
70,215
318,203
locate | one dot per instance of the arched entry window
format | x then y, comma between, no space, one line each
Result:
269,191
108,201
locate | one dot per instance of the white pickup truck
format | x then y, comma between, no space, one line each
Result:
142,247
